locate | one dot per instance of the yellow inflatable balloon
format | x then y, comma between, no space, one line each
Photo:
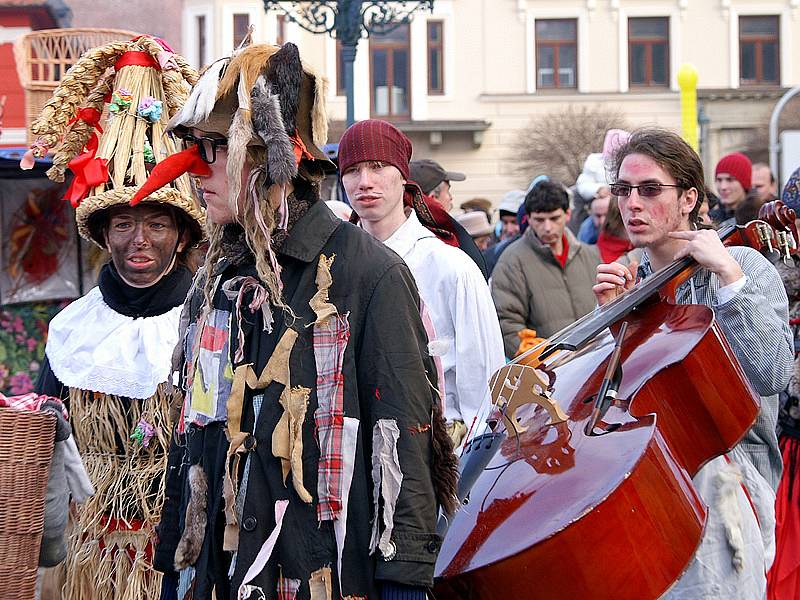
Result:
687,81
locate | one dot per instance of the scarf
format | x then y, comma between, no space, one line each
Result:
164,295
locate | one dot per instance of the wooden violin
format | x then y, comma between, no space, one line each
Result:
581,485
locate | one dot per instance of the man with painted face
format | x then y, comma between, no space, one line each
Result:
658,180
108,353
313,452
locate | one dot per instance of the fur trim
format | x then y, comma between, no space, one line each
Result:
728,483
239,136
319,113
203,97
246,66
188,550
445,462
268,124
285,74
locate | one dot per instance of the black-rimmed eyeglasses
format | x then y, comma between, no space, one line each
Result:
646,190
207,146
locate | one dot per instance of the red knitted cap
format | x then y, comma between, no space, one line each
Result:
738,166
374,140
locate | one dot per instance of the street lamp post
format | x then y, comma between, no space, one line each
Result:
348,21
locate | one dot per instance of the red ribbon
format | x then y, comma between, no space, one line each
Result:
89,170
136,58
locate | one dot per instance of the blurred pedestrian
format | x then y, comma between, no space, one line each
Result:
593,224
765,188
482,204
732,177
507,210
478,226
613,241
435,181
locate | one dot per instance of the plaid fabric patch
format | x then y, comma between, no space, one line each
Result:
330,341
30,402
287,588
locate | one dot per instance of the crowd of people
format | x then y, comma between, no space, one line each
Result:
286,422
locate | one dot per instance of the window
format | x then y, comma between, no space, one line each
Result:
390,73
201,41
758,50
241,23
435,58
556,53
648,51
280,38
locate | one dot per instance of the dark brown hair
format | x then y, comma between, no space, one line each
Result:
671,153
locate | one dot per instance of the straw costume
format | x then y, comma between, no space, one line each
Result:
317,446
109,352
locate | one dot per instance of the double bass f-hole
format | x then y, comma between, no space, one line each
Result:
608,388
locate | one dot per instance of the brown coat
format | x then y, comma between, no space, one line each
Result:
531,290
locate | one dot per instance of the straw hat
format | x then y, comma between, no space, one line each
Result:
109,130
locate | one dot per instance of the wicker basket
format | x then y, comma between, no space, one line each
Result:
43,57
26,448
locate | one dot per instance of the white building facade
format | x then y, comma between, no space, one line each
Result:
466,79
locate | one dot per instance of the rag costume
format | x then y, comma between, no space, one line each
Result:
738,544
309,453
784,577
108,353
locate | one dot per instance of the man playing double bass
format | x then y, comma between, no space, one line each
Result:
658,180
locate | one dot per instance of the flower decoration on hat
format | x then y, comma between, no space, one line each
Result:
120,100
149,108
111,159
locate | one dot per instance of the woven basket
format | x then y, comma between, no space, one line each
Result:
43,57
26,448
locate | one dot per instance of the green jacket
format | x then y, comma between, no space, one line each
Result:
531,290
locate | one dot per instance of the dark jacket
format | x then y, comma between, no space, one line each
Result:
387,375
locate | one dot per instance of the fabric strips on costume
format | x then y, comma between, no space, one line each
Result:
386,480
337,434
209,376
331,334
276,369
245,590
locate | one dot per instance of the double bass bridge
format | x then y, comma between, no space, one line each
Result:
516,385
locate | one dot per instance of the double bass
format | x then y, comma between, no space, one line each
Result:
581,484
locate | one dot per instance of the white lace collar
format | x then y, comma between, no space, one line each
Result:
92,347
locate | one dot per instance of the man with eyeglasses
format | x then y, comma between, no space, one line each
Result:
659,186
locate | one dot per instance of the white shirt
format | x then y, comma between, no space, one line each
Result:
457,297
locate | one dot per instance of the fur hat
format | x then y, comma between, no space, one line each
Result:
738,166
111,157
260,96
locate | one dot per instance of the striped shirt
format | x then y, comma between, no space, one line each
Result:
755,322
